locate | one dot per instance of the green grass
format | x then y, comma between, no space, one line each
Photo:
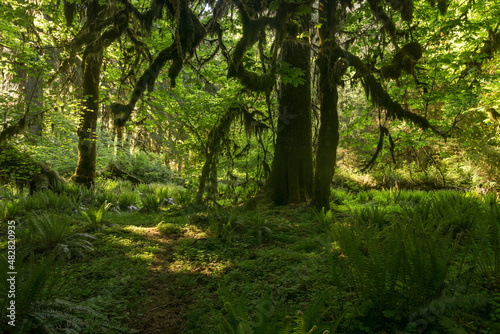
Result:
378,261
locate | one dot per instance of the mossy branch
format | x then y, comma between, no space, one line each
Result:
252,29
190,33
383,131
380,98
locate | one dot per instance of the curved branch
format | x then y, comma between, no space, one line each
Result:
380,98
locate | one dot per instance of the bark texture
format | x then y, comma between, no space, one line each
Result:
331,68
87,150
291,177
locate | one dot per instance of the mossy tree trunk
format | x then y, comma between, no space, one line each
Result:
330,71
291,178
87,141
99,37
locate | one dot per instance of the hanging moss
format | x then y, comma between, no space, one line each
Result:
404,59
407,10
174,70
69,12
405,7
380,98
121,113
413,50
408,64
443,6
390,72
252,31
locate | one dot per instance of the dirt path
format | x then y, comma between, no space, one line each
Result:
169,294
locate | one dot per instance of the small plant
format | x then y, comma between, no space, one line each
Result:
258,226
127,200
369,215
325,219
10,209
94,215
151,202
168,228
183,197
222,225
49,233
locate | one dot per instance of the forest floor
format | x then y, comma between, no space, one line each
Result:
169,283
378,262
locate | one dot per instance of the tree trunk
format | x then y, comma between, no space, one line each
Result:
34,100
328,139
291,177
329,74
87,152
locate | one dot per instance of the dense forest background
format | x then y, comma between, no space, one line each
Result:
217,141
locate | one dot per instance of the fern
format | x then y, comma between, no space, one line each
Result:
394,269
151,202
48,233
37,311
94,216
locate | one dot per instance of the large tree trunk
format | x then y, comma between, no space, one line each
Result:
291,178
328,139
330,70
87,152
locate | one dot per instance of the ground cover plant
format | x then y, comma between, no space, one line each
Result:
371,264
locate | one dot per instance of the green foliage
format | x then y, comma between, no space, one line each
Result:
168,228
237,318
151,202
392,270
94,215
37,311
51,233
127,199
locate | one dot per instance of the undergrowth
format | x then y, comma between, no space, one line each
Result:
378,261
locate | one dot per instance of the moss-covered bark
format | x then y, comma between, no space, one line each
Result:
291,178
87,152
331,67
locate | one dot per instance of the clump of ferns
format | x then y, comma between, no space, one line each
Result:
485,239
183,197
37,311
458,304
394,269
151,202
94,216
369,216
47,200
454,211
50,233
236,317
127,200
10,209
